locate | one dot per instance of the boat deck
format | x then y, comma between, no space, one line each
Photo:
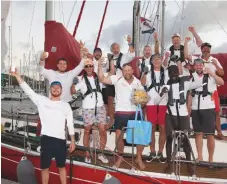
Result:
158,167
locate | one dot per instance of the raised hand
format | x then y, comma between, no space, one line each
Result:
44,56
191,29
129,39
167,54
187,39
13,72
81,44
84,52
155,35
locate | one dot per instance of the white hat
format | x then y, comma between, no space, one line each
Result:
176,35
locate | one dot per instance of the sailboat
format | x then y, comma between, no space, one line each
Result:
20,134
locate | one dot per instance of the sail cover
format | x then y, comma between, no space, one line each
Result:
60,44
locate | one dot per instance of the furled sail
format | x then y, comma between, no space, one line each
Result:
60,44
4,14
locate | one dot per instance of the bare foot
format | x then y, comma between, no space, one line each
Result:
141,165
118,162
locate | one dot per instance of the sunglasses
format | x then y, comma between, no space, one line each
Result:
88,66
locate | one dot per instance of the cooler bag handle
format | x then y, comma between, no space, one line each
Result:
139,110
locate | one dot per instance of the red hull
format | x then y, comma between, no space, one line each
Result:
81,174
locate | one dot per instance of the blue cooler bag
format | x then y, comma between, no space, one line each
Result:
142,130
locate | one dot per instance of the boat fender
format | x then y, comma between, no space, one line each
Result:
109,179
26,172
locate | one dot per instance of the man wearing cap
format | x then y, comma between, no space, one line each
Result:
177,113
154,81
203,107
93,109
215,66
125,109
97,56
66,78
53,113
177,50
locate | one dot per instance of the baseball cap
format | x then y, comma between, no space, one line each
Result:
97,49
55,83
198,60
205,45
176,35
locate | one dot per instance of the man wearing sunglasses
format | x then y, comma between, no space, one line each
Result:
93,109
65,77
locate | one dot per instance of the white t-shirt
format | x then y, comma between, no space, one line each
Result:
183,111
126,58
147,62
53,114
66,79
207,63
89,101
154,95
123,93
205,102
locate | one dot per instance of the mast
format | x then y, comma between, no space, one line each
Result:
136,27
182,21
163,27
48,17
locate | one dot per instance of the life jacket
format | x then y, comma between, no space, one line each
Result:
89,88
181,52
153,79
205,91
118,63
143,65
182,99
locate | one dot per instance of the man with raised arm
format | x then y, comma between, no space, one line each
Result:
66,78
116,60
203,107
53,114
125,109
211,63
93,108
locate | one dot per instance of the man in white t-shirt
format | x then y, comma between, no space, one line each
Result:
53,114
203,107
177,113
125,109
116,60
154,81
66,78
215,66
93,108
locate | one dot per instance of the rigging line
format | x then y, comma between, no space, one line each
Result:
178,5
215,17
155,18
29,35
70,16
143,7
153,9
146,9
62,11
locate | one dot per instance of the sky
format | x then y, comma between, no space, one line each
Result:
27,26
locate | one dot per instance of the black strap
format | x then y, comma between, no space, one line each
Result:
90,90
205,91
118,64
182,58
